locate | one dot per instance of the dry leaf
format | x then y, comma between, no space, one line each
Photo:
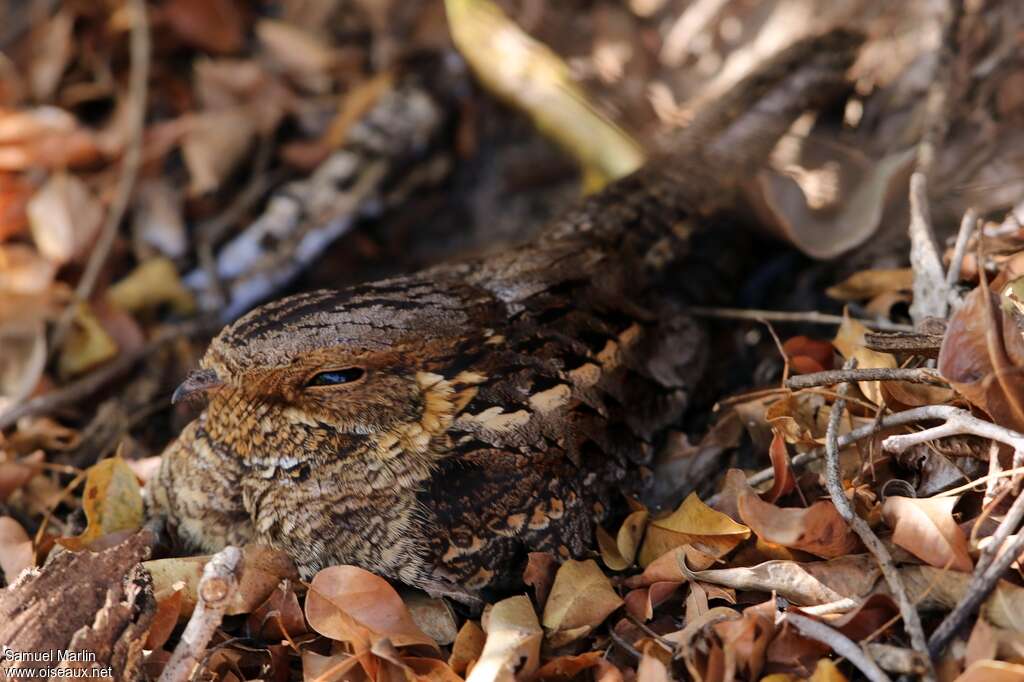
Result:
44,137
618,554
512,650
564,668
88,343
112,502
651,669
938,589
51,50
871,283
926,529
804,584
262,569
826,671
64,216
850,343
818,529
993,671
279,616
784,481
154,282
213,145
467,647
992,384
305,57
433,616
350,604
15,473
693,523
16,551
581,598
517,68
807,355
212,25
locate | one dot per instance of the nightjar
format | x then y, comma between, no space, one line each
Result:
437,427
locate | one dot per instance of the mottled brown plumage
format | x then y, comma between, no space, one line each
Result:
491,407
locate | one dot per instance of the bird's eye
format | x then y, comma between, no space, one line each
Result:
336,377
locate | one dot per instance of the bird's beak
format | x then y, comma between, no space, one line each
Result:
200,381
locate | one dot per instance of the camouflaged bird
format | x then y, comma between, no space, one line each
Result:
437,427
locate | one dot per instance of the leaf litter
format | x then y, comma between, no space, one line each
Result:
700,587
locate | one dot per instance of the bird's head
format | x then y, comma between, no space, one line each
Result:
327,374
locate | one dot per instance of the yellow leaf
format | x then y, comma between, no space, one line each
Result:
112,502
88,344
826,671
693,523
849,342
870,283
619,553
531,77
581,598
152,283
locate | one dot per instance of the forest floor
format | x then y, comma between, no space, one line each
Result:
846,504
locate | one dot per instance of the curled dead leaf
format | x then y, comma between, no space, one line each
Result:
513,642
16,550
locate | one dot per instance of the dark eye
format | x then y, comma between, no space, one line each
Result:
336,377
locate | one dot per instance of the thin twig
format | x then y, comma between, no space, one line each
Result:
955,422
833,482
804,316
220,578
92,382
920,375
840,643
898,419
138,84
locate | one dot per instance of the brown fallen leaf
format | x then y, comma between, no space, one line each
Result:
696,524
867,284
540,574
990,380
433,616
784,481
581,598
619,553
64,217
926,529
168,612
651,669
112,502
350,604
992,671
818,529
262,569
808,355
747,638
803,583
565,668
45,137
938,589
213,145
279,616
467,647
512,649
212,25
16,550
